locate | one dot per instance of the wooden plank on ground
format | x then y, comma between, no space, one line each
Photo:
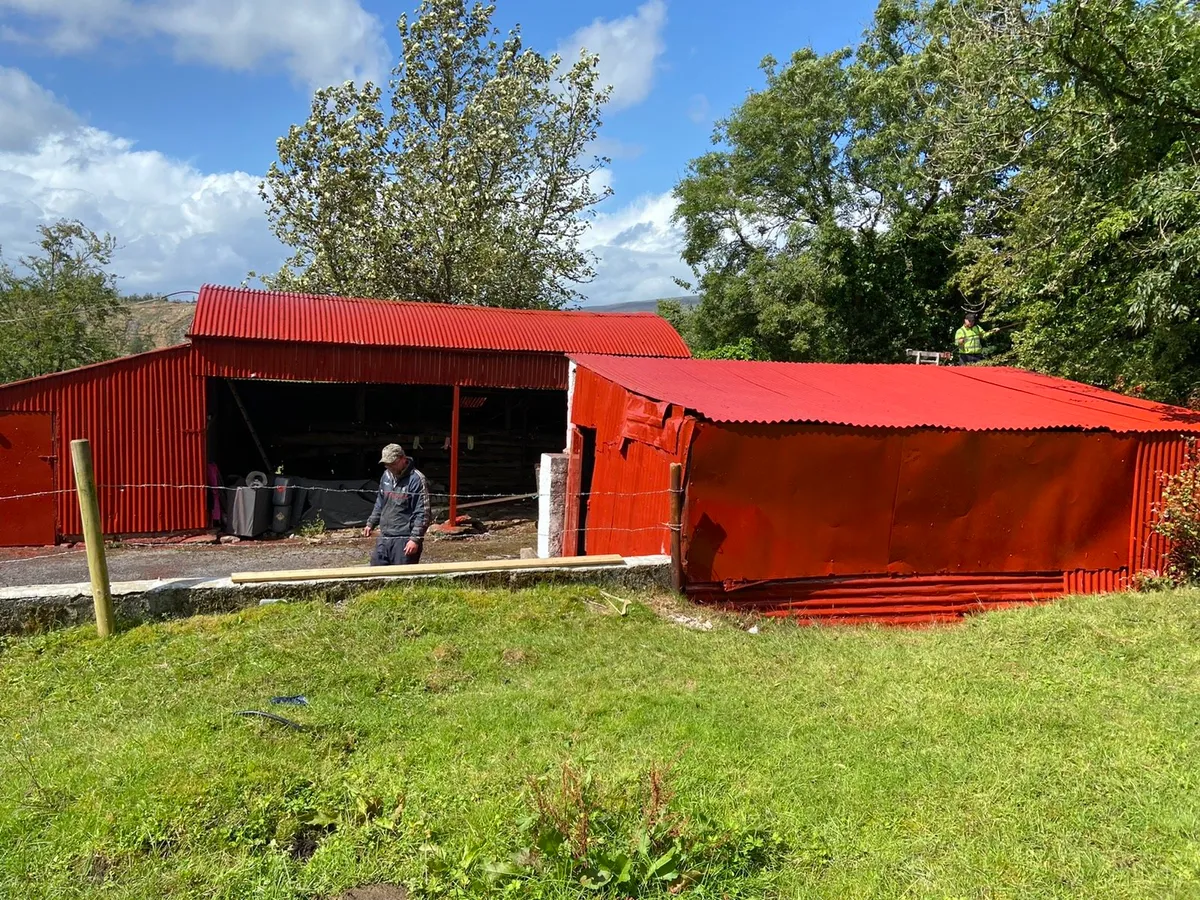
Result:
510,499
493,565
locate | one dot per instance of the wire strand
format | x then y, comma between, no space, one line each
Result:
209,487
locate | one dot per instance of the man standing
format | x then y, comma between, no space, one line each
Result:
401,511
969,340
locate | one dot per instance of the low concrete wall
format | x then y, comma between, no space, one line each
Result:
43,607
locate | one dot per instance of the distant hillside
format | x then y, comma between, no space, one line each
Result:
154,324
641,305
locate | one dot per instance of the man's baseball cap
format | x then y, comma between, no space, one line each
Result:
391,453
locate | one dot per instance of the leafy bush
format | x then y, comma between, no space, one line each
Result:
313,528
1179,519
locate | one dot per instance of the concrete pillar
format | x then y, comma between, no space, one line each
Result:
552,504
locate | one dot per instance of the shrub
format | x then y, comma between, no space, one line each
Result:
1178,519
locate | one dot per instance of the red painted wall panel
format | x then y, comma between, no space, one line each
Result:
769,502
26,467
378,365
629,503
145,418
1158,456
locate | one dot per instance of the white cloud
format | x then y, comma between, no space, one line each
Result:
628,49
319,42
28,111
639,249
177,227
698,109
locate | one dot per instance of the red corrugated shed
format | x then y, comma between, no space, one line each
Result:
886,396
144,415
241,313
936,492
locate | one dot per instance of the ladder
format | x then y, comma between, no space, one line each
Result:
929,357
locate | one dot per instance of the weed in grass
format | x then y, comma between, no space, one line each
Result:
625,844
312,528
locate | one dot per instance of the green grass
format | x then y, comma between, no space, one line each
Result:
1044,752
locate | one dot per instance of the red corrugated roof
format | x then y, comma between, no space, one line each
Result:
241,313
886,396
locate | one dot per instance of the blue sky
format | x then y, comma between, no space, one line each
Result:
155,119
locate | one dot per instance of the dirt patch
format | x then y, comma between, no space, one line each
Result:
375,892
306,841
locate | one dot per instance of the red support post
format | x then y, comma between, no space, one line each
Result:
454,460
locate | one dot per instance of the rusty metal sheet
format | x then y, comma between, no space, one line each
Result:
26,467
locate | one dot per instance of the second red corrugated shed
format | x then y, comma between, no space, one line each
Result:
894,493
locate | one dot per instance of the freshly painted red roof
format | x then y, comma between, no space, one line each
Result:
242,313
886,396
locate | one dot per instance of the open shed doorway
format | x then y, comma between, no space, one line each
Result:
334,432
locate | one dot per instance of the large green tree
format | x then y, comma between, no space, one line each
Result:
1075,129
814,230
61,307
467,181
1038,161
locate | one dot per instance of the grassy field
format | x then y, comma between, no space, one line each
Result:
458,742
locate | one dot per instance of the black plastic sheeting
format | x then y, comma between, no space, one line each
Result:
340,504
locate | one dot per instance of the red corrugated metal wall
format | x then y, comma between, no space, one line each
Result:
144,415
773,502
1158,456
901,600
26,478
629,503
894,525
378,365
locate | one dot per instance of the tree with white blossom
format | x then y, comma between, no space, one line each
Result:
469,180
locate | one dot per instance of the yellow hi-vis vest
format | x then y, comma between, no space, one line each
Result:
972,339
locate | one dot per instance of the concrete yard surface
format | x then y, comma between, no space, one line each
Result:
509,530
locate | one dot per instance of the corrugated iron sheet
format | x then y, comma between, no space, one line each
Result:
898,600
886,396
26,468
241,313
629,504
144,415
1158,457
1095,581
378,365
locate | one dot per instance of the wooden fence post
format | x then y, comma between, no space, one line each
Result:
93,535
677,527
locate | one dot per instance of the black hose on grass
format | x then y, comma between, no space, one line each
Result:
274,718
